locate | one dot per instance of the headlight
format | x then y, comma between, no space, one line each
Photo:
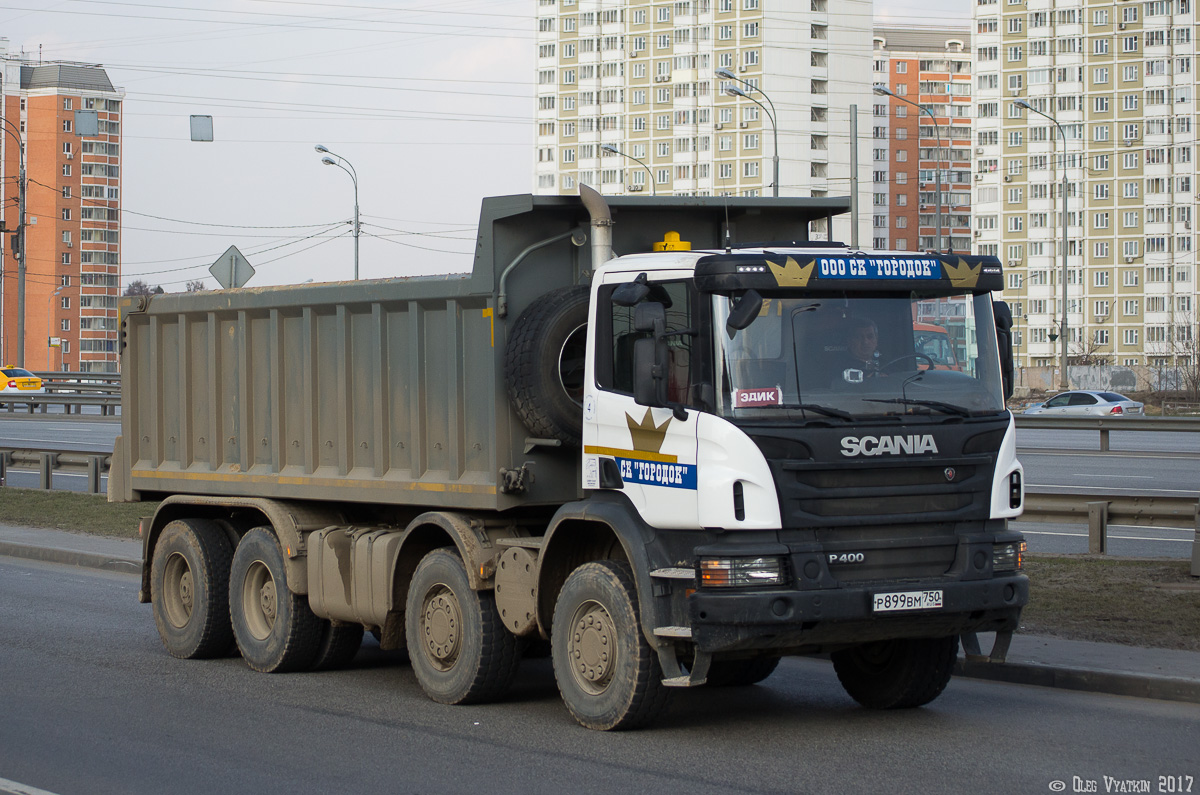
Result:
742,572
1008,557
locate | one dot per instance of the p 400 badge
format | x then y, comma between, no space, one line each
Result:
847,557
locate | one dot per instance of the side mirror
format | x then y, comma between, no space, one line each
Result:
1004,322
631,293
650,317
650,363
743,312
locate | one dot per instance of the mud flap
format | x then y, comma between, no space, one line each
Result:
970,644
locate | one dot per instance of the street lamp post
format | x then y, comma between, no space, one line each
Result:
330,161
19,247
1063,383
734,91
616,151
881,89
49,313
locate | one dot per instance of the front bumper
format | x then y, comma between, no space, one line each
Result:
793,620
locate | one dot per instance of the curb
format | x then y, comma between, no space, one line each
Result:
70,557
1162,688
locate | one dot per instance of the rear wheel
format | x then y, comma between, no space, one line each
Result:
897,674
339,646
189,589
607,673
275,628
457,643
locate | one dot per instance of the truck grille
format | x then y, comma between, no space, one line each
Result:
824,494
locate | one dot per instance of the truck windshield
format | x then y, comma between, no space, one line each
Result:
859,355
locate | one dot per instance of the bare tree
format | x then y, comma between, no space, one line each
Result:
1086,350
139,287
196,286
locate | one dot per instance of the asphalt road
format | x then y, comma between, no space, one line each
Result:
92,704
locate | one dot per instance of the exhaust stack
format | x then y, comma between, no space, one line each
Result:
602,223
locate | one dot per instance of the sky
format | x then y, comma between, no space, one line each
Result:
431,105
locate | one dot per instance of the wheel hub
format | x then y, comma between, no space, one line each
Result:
441,624
592,648
178,591
267,601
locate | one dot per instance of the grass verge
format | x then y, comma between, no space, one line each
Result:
66,510
1136,602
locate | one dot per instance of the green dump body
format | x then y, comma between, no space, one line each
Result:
387,391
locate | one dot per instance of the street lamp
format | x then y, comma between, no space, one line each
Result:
49,313
616,151
881,89
329,161
18,247
734,91
1062,375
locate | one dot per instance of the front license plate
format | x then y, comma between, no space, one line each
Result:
907,600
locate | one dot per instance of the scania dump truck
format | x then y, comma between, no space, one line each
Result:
673,466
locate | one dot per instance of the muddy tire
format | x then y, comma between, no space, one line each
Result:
189,589
276,630
457,644
339,646
607,674
543,365
897,674
740,673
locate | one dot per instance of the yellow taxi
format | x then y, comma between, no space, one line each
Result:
18,381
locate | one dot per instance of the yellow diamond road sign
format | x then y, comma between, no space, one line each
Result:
232,269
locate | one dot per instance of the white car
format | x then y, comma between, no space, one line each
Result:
1088,404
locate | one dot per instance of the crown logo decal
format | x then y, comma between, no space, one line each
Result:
962,274
647,437
791,273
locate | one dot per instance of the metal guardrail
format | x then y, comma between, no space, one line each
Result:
108,403
1099,512
47,462
71,391
1106,425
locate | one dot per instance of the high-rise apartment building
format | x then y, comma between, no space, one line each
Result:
931,69
640,77
72,209
1118,81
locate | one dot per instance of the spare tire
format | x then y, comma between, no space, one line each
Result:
544,364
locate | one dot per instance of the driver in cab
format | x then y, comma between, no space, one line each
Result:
861,357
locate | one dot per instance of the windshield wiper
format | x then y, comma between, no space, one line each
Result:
946,408
825,410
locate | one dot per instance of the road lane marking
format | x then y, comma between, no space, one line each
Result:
1091,475
13,788
1104,488
1111,537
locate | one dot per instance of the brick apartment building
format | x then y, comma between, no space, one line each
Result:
73,200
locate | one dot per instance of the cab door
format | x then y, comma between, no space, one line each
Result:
649,454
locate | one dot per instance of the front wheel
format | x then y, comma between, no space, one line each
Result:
897,674
607,673
457,643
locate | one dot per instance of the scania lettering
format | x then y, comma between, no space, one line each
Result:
888,445
673,467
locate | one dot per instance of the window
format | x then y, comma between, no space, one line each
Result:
750,169
1100,279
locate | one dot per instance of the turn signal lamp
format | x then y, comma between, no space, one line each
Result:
1008,557
742,572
